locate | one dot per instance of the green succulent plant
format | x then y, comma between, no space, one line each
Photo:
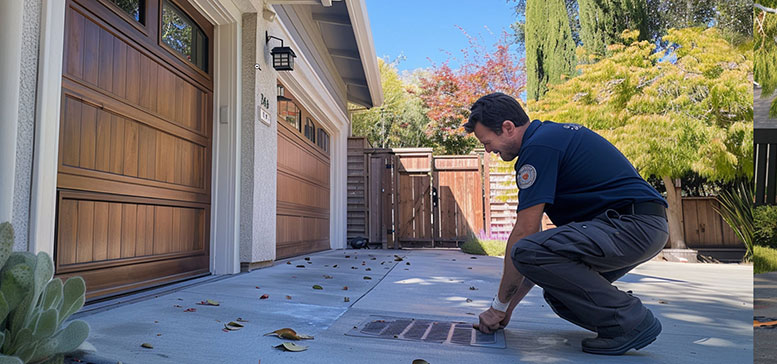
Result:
34,307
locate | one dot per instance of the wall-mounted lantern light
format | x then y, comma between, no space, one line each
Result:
282,57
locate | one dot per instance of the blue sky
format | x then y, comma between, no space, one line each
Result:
427,28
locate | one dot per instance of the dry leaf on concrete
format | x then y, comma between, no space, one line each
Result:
291,347
315,286
209,303
289,334
147,345
420,361
264,296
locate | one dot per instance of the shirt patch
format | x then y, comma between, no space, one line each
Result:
572,126
526,176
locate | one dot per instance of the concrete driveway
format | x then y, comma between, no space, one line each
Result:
705,310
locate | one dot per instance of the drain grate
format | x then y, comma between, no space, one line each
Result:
441,332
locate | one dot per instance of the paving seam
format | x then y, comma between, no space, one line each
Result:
373,287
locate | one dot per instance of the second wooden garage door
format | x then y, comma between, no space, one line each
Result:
303,181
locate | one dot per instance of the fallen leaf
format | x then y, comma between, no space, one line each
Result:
473,257
347,256
315,286
408,263
147,345
289,262
398,258
334,266
291,347
289,334
209,303
663,302
300,266
232,326
469,267
326,276
354,268
473,288
240,319
288,297
190,310
180,299
381,263
469,300
345,288
367,277
257,287
158,334
307,258
264,296
420,361
364,263
373,258
177,306
368,269
346,299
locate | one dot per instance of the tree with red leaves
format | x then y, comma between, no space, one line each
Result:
448,93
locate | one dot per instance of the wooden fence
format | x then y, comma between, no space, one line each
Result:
765,141
410,197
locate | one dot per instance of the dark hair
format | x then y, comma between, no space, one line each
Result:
493,109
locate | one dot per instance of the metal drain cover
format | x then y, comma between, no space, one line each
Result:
441,332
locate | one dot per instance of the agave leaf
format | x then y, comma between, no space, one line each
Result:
6,359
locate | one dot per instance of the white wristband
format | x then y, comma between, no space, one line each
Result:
499,305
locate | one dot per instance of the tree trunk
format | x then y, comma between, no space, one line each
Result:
675,214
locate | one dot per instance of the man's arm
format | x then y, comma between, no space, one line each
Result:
527,223
513,287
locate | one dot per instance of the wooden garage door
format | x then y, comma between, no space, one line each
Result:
303,181
135,143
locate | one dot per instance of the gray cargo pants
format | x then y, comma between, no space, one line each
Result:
575,264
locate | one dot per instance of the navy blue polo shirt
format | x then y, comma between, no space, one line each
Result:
577,173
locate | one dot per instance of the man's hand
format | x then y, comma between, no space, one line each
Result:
491,320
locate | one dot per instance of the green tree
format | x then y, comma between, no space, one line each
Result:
550,49
668,116
765,50
602,21
401,120
733,17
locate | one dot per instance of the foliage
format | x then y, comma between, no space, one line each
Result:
550,49
765,221
765,53
401,120
733,17
602,21
519,26
492,248
34,307
448,93
668,118
736,209
764,259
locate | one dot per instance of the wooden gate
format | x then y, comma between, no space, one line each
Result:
414,225
459,185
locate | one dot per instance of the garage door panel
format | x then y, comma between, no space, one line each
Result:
93,231
109,64
297,191
95,139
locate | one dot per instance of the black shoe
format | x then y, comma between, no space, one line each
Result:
642,335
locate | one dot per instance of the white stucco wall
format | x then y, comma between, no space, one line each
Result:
259,147
25,132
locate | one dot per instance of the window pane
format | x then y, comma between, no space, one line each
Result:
132,7
288,111
183,35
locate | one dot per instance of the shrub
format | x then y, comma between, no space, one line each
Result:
484,244
33,307
764,259
765,219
